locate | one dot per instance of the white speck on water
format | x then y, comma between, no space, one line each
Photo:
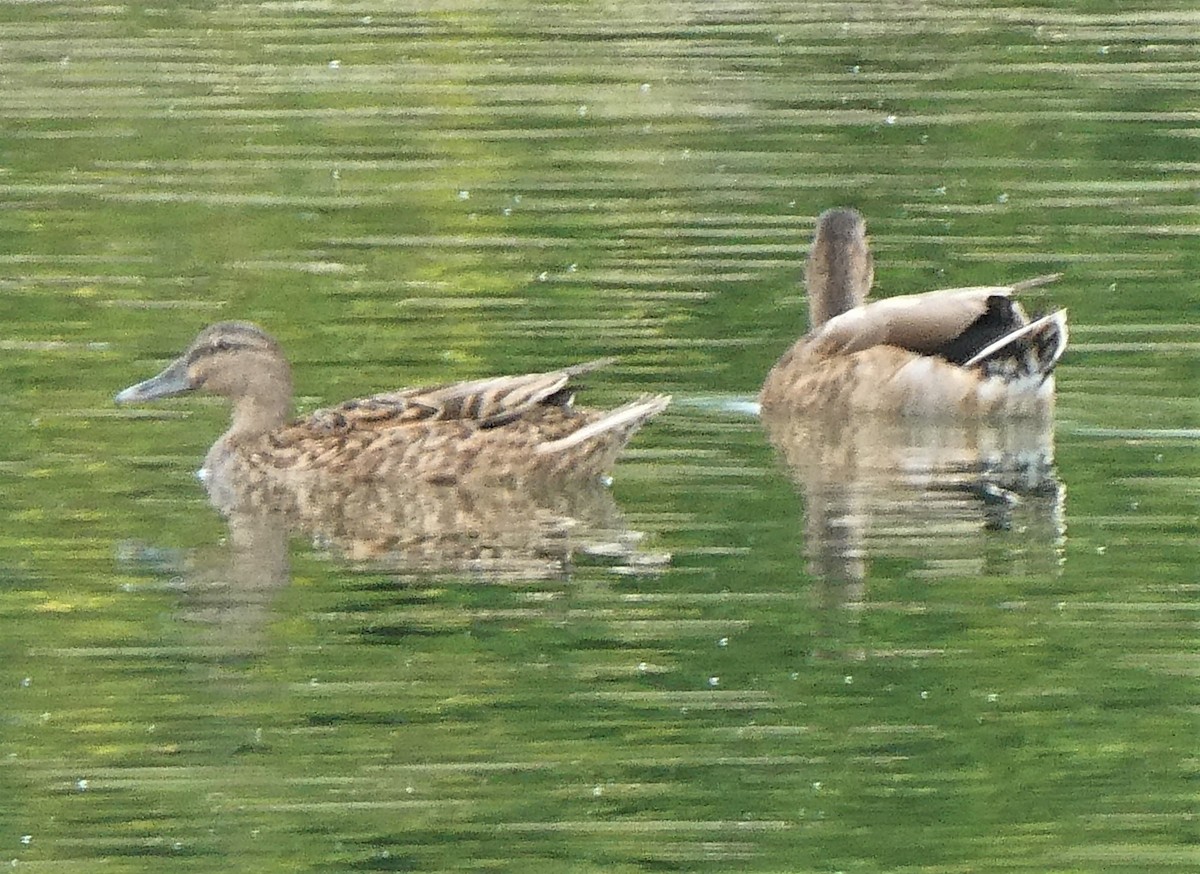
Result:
313,681
409,790
1002,198
891,119
1103,50
82,785
366,19
992,698
848,679
582,111
178,845
924,696
795,675
642,667
1100,550
597,791
816,785
543,276
27,839
571,268
335,64
940,191
856,69
645,89
464,194
714,681
26,682
724,641
507,210
516,198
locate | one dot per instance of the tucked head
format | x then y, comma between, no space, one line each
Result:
840,268
236,360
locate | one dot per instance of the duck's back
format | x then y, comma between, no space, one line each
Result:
505,427
969,351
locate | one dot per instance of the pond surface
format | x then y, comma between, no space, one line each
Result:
727,664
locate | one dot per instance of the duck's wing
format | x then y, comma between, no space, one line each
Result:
1032,349
486,403
953,323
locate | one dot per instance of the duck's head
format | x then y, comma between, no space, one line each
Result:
236,360
840,269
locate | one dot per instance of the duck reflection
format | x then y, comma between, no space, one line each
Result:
530,529
405,531
931,492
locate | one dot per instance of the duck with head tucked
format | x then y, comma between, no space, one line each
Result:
961,352
504,428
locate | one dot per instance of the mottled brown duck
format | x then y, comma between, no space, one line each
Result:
955,352
503,428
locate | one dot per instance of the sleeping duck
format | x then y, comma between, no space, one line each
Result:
956,352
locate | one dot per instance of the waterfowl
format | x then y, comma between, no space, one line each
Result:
962,352
503,428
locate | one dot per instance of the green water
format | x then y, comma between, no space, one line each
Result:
405,193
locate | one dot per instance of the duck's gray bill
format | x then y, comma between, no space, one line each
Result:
172,381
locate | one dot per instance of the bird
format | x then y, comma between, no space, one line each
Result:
504,428
960,352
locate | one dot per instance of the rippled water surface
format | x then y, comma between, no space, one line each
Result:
732,659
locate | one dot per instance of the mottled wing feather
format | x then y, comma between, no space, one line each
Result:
481,402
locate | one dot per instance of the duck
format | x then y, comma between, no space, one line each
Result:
508,428
960,352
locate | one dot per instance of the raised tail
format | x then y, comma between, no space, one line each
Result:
1032,349
614,428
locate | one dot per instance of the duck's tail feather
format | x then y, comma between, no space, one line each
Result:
1026,284
589,366
620,423
1032,349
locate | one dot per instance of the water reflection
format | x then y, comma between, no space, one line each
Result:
956,496
533,529
526,529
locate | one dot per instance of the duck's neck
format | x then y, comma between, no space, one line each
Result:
262,401
840,268
254,416
831,297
